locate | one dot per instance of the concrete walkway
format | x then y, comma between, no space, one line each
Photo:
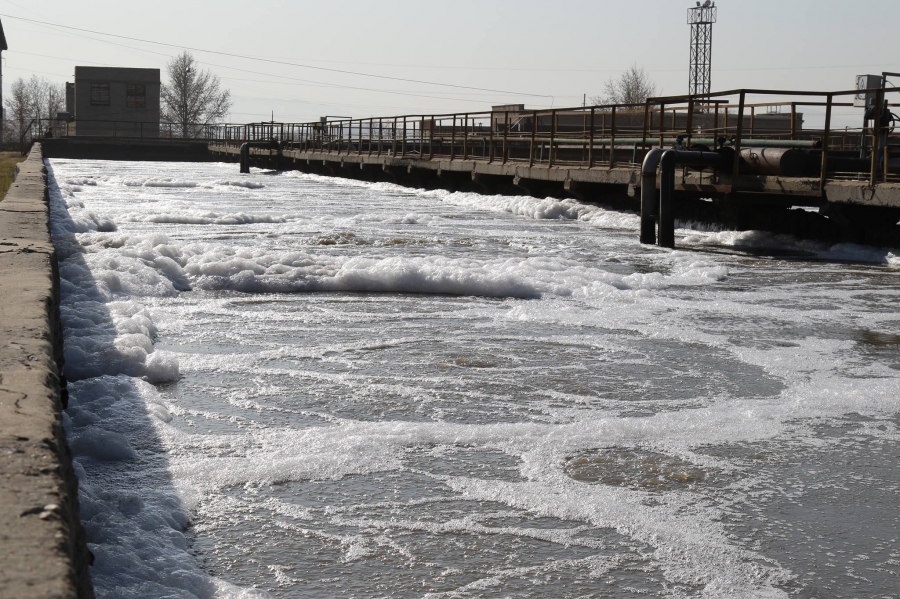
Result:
42,547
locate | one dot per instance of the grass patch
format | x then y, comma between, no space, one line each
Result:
8,162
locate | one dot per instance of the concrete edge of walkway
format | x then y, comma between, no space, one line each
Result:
42,541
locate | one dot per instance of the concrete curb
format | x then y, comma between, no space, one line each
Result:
42,542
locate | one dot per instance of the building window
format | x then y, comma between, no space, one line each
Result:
99,94
135,96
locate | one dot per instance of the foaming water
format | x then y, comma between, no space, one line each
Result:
297,386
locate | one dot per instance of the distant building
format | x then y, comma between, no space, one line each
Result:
115,102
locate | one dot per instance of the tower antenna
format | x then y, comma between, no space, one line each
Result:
701,19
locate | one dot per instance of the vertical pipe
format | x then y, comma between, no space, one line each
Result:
825,140
736,166
666,215
431,139
403,144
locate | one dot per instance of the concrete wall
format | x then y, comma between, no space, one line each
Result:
42,545
117,118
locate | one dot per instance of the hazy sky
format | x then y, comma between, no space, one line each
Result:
533,52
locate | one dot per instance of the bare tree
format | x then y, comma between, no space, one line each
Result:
33,99
634,86
192,97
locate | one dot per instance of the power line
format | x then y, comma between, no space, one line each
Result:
285,63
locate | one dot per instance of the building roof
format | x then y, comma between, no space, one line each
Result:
116,74
2,38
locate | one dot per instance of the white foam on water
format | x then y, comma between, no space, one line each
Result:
762,240
207,218
240,183
112,280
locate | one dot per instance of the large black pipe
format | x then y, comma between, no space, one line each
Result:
667,163
245,151
649,198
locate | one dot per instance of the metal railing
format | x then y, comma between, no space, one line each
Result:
608,136
602,136
118,129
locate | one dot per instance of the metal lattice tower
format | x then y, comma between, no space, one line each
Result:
701,19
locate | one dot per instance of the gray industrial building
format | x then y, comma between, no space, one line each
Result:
111,101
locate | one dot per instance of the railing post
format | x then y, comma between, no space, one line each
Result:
453,139
505,134
394,139
793,120
825,140
716,127
403,144
591,141
752,119
646,123
689,124
491,139
465,137
612,137
736,166
876,134
662,127
552,137
431,139
534,126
